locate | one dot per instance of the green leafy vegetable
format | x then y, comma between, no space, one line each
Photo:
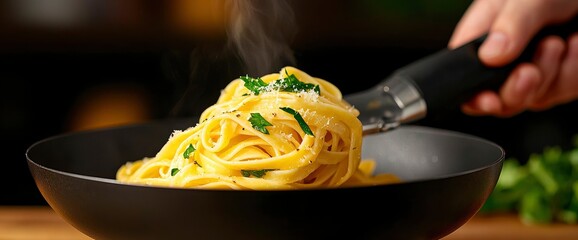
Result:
255,173
299,119
543,190
259,123
190,149
174,171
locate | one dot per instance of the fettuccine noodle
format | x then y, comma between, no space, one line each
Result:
284,130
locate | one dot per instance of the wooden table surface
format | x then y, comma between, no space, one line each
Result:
42,223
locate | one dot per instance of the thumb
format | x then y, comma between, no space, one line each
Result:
511,31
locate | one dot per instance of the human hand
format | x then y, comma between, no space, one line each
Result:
550,79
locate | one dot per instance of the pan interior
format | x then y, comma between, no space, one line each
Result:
416,153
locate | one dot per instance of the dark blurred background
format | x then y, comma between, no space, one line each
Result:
71,65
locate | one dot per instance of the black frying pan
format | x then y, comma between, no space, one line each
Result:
447,176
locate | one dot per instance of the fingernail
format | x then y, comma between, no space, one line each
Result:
494,45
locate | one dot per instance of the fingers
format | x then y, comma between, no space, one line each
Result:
551,79
520,88
569,71
515,95
564,88
476,21
548,59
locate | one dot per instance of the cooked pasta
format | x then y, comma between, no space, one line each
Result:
285,130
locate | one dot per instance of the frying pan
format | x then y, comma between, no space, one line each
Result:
446,178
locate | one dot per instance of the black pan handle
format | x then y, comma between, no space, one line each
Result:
450,77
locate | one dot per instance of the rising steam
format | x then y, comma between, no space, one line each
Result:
258,37
259,31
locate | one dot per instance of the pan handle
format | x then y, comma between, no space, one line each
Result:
451,76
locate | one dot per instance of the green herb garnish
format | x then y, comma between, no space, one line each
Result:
259,123
255,173
299,119
190,149
292,84
287,84
174,171
254,85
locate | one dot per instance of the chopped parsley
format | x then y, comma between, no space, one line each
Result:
190,149
292,84
255,173
287,84
255,85
174,171
259,123
299,119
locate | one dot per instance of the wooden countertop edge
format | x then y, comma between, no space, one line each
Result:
509,226
41,222
35,223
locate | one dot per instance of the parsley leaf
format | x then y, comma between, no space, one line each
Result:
292,84
259,123
190,149
287,84
174,171
299,119
255,173
254,85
